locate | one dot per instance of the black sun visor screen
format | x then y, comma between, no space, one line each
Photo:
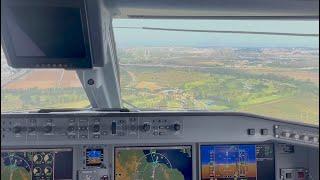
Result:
51,32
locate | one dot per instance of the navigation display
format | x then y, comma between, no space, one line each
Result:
160,163
36,164
245,161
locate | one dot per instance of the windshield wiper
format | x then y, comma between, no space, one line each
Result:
220,31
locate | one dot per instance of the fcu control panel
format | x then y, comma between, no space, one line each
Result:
149,127
88,128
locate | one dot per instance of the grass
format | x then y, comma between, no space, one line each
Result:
277,98
303,107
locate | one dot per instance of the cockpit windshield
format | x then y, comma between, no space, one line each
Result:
221,65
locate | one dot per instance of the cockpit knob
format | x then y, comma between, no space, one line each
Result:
146,127
48,129
17,129
96,128
70,128
176,127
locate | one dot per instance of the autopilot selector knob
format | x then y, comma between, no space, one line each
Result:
47,129
96,128
71,129
146,127
17,129
176,127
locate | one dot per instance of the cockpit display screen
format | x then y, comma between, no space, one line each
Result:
161,163
45,35
94,157
244,161
34,164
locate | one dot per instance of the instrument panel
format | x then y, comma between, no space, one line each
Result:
132,146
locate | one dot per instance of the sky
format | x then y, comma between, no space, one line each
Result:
139,37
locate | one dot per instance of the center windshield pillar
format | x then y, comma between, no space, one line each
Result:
101,84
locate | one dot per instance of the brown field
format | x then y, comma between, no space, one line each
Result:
148,85
298,75
44,79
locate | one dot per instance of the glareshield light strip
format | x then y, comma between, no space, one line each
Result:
220,31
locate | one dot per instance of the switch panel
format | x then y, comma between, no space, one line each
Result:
89,128
295,134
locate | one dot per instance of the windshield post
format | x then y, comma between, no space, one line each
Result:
102,84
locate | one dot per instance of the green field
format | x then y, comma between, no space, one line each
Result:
220,90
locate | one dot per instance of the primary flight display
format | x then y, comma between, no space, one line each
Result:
242,161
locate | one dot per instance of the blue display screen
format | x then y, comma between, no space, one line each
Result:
94,154
239,161
94,157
